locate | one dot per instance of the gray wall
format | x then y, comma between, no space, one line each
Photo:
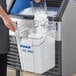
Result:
68,36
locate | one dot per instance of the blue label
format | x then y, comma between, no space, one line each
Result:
25,46
29,51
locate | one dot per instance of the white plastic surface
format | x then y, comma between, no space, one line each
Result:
37,47
37,53
38,59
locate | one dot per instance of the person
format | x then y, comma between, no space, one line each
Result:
20,5
5,24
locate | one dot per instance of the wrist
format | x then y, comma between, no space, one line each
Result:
2,12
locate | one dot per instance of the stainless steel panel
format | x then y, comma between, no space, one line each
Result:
68,35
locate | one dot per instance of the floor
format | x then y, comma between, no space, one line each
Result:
11,72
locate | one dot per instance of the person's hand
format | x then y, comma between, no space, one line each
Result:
37,1
9,24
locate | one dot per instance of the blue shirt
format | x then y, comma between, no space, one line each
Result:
23,4
20,5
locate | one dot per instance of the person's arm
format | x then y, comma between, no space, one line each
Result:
37,1
9,24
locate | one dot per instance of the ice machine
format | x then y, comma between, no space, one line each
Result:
65,58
